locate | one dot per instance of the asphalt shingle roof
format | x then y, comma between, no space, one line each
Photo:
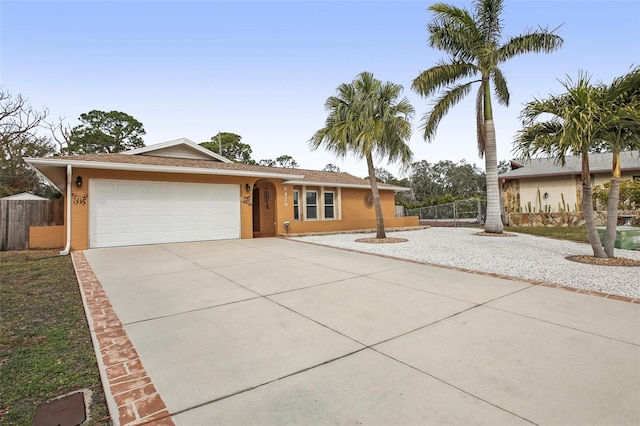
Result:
311,176
598,163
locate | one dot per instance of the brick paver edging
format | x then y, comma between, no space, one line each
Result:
131,395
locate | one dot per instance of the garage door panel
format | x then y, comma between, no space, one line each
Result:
131,213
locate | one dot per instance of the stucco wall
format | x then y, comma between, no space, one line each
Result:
353,212
80,212
556,188
568,186
350,210
47,237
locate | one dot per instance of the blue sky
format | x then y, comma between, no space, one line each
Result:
264,69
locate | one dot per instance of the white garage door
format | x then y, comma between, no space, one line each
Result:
123,213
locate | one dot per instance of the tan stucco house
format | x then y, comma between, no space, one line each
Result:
178,191
541,184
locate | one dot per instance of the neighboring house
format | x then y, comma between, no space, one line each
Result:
22,215
541,184
178,191
24,196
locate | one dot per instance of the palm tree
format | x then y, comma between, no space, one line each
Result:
585,117
473,43
573,129
619,131
366,119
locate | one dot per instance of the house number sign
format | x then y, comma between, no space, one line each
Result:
285,196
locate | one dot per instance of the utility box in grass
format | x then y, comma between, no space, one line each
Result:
627,237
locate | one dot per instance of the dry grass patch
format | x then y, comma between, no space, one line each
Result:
45,345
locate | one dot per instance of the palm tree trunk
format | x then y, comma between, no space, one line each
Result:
587,209
376,198
612,206
493,223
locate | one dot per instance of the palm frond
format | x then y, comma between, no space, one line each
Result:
366,117
500,87
447,12
538,139
542,40
537,107
487,14
626,86
618,125
441,107
453,30
574,126
442,75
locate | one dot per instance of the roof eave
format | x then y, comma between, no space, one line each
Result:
344,185
35,162
56,183
570,173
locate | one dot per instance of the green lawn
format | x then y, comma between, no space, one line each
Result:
564,233
45,345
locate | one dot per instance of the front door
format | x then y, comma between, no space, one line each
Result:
264,210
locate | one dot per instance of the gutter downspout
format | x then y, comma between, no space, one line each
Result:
67,247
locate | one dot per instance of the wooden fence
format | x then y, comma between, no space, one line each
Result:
16,216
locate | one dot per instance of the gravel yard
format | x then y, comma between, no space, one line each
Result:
521,256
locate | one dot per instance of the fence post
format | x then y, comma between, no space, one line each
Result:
455,214
4,219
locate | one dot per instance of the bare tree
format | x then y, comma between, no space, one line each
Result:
61,134
18,124
17,117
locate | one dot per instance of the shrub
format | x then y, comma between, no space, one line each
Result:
629,194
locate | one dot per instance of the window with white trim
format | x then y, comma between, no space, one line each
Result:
329,205
296,204
311,198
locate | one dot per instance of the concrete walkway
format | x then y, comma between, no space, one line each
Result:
272,331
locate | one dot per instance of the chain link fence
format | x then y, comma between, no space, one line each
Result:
458,213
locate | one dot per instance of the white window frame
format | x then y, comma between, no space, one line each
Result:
332,205
296,204
307,205
319,206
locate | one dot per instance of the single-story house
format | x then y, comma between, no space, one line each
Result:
178,191
542,184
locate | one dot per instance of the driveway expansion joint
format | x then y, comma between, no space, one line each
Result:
506,311
452,385
486,274
280,384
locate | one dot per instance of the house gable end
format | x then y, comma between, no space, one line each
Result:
179,148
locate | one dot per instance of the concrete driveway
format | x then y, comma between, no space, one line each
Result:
272,331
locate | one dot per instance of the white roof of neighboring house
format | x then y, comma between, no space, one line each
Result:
598,163
23,196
